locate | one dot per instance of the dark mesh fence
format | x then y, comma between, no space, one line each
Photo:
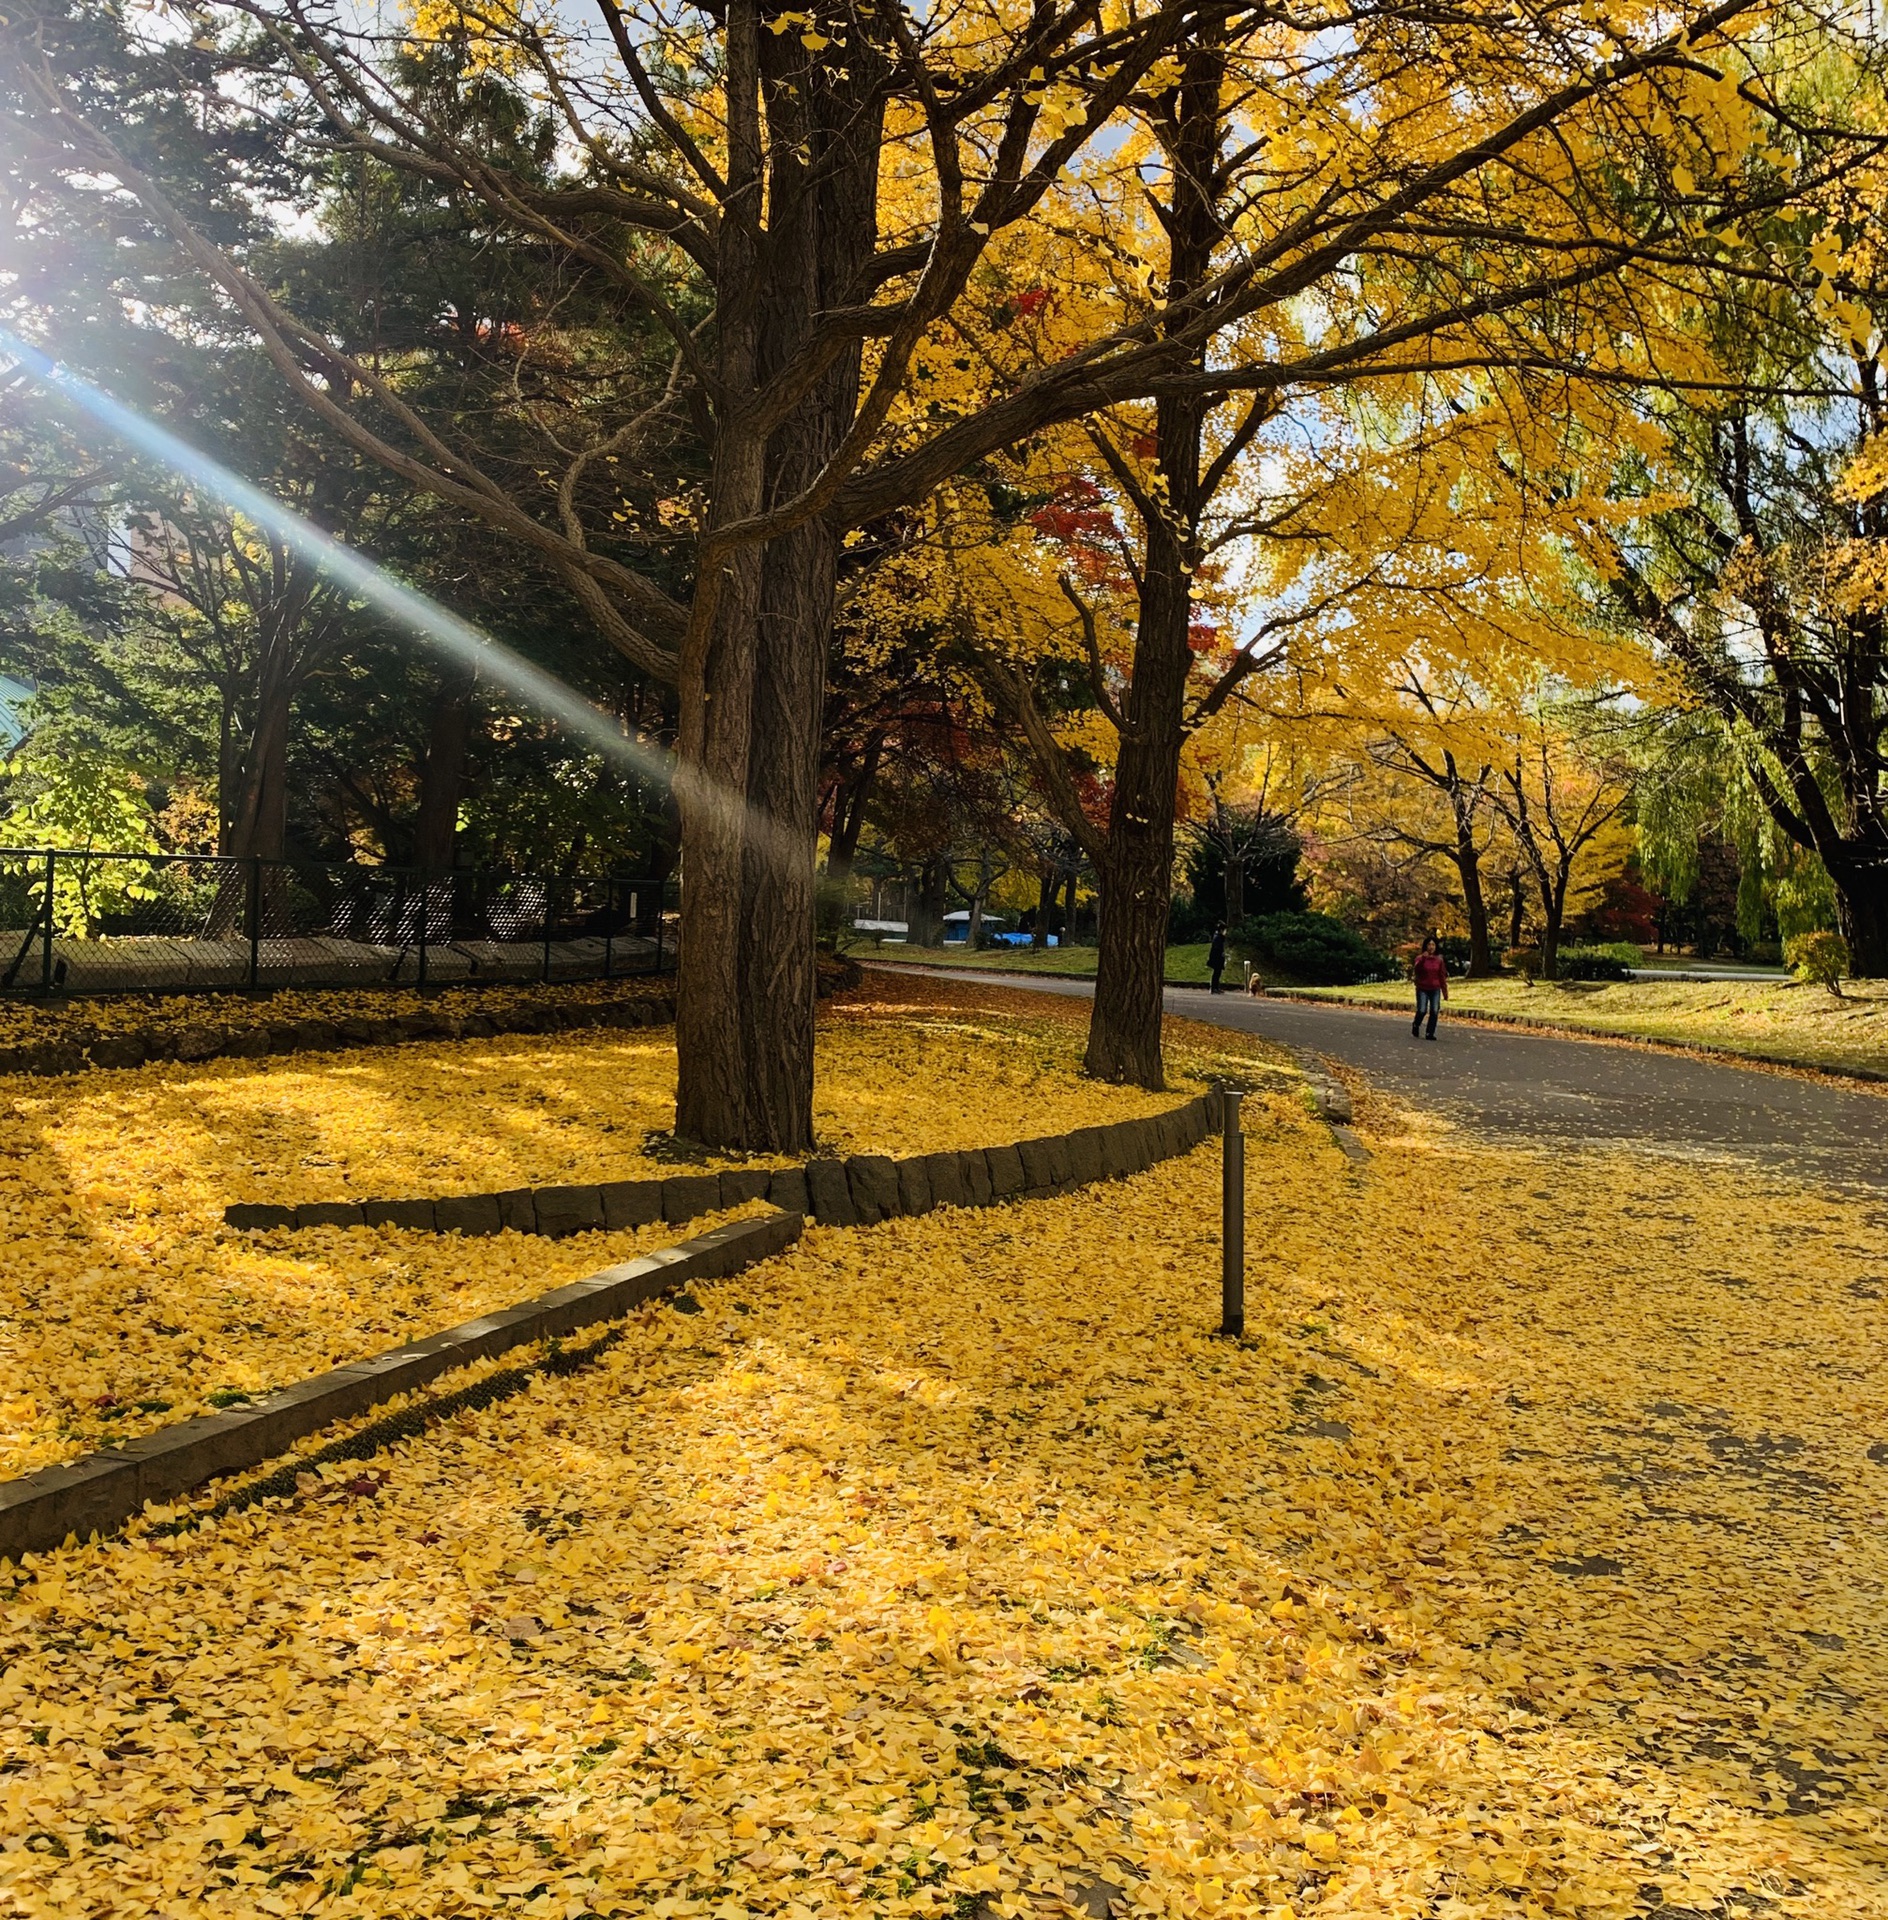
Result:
144,923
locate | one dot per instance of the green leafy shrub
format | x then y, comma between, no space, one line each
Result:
1819,959
1613,961
74,801
1526,961
1312,947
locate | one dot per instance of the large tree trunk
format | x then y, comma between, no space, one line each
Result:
1481,959
442,776
753,668
752,701
1235,889
1553,911
1463,804
926,928
1136,876
258,821
1862,914
1136,887
973,934
1136,873
848,815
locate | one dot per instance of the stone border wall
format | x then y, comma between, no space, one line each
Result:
855,1192
103,1490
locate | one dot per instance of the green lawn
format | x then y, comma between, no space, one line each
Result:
1766,1018
1186,966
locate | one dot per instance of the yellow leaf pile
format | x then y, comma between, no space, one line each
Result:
125,1302
1526,1560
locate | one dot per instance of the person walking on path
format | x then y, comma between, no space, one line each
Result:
1432,986
1216,955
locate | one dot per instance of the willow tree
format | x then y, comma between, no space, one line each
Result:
1762,588
801,197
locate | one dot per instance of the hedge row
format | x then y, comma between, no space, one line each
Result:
461,1012
212,1039
858,1191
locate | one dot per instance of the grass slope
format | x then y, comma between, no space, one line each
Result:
1186,966
1766,1019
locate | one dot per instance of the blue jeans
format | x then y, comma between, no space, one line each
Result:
1428,1001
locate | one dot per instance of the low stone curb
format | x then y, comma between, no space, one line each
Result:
859,1191
1330,1099
215,1039
105,1489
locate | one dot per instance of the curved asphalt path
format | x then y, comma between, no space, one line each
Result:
1538,1086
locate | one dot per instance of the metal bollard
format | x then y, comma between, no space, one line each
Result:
1232,1272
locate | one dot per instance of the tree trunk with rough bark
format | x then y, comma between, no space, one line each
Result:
442,776
1051,879
753,668
750,741
847,819
258,825
1862,915
1553,910
1136,871
1468,866
973,935
927,921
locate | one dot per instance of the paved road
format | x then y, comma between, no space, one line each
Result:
1535,1085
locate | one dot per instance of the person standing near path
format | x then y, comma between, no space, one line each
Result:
1432,986
1216,955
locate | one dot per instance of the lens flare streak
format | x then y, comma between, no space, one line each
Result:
425,619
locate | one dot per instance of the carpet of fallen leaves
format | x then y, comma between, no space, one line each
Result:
1526,1560
124,1302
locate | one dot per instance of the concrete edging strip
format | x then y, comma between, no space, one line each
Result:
103,1490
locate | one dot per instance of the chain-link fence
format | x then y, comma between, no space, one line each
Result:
140,922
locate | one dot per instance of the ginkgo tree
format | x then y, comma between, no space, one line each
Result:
801,198
1333,479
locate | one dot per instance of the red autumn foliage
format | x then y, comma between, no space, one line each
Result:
1076,514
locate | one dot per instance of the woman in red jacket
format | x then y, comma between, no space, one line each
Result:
1432,985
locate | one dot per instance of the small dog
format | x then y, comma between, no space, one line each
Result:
1256,987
